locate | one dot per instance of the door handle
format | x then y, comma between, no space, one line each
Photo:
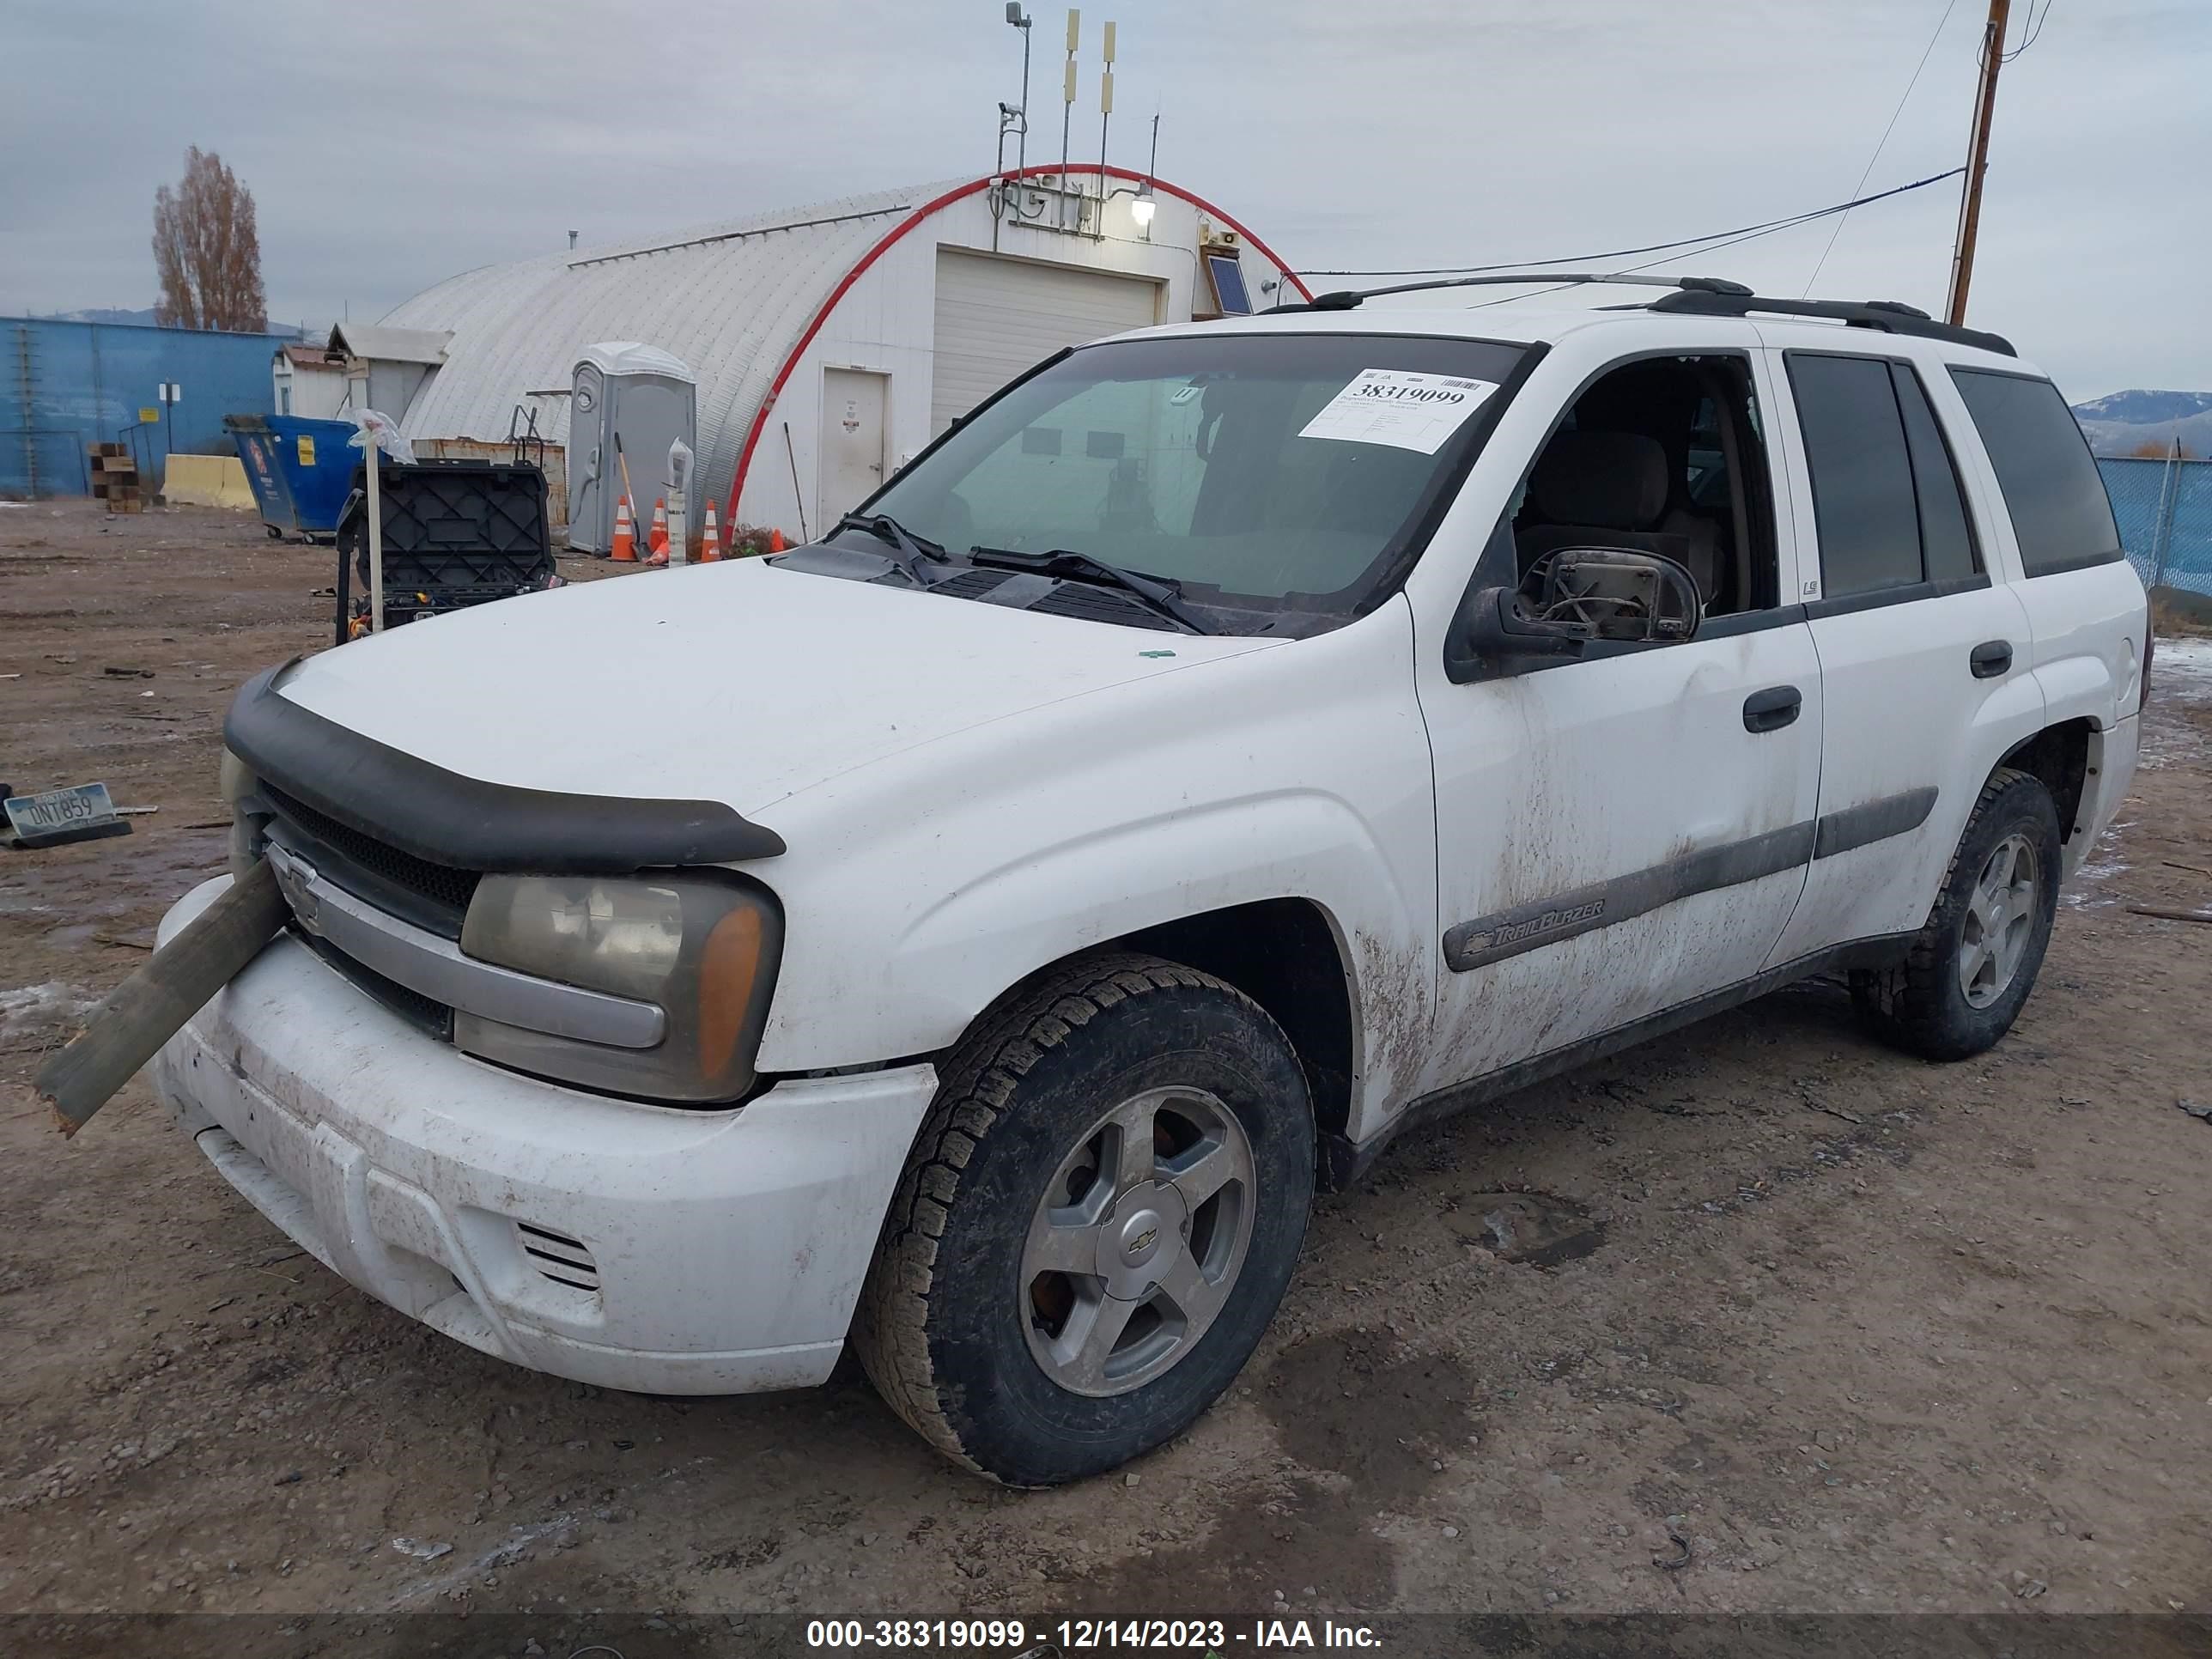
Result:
1990,659
1771,710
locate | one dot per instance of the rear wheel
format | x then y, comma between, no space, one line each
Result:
1970,966
1097,1224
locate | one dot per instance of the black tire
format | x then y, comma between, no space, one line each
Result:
1920,1003
944,1323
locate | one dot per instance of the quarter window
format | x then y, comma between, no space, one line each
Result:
2060,514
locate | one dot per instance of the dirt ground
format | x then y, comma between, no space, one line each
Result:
1808,1325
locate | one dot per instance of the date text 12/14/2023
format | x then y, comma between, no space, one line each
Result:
1022,1640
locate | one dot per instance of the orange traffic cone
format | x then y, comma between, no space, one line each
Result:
776,542
657,540
710,549
625,549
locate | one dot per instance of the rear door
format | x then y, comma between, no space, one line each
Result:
1923,646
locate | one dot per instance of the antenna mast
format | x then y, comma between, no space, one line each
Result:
1067,98
1105,114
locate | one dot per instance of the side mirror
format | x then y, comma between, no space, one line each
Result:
1618,594
1569,599
1496,629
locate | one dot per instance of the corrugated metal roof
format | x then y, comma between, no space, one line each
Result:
730,300
390,345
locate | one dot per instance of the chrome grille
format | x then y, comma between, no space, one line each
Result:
433,895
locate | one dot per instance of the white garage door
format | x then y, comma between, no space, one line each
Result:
996,318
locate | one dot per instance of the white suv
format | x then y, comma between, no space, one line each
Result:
975,935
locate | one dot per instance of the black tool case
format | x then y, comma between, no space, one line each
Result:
456,533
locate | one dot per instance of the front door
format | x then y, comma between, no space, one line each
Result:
852,452
1619,833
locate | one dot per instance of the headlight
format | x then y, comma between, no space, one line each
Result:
702,945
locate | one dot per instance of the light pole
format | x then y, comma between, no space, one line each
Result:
1020,20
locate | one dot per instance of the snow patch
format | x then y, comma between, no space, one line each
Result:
29,1007
2181,670
2103,866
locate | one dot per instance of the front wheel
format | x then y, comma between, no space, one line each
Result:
1971,965
1097,1224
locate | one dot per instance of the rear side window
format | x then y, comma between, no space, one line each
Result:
1863,504
2052,489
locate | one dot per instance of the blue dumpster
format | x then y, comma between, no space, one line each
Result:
300,470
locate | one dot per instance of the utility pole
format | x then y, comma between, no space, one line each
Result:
1977,160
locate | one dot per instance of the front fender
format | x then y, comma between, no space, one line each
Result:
958,956
918,891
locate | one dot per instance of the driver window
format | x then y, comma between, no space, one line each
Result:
1665,456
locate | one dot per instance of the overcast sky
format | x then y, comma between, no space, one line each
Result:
389,143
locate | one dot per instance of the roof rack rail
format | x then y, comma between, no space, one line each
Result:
1891,316
1348,299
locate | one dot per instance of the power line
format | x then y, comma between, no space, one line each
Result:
1952,6
1712,246
1743,233
2030,31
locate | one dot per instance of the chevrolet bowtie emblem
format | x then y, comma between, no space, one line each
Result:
295,880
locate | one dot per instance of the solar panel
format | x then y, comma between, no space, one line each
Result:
1228,284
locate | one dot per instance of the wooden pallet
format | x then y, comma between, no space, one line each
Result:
115,478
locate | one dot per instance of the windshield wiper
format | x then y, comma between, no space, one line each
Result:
910,548
1162,597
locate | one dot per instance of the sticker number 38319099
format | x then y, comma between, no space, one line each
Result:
1401,407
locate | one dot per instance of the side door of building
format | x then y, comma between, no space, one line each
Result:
1923,644
1621,833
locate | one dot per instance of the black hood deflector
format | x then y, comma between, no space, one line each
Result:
467,822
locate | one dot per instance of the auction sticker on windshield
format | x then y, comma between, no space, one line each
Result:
1401,407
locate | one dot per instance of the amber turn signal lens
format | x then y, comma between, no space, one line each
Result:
728,967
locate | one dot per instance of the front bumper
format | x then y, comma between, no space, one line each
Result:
635,1247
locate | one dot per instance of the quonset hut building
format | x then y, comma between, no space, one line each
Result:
830,343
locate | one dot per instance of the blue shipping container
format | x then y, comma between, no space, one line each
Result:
65,385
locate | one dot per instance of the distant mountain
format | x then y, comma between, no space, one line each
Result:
106,315
2146,407
2127,423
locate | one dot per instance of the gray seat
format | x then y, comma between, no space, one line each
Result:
1609,490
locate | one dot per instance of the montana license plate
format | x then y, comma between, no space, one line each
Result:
75,814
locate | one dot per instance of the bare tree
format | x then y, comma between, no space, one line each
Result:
206,250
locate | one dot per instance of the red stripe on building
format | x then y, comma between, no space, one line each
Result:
891,236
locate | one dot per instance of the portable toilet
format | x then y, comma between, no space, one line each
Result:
628,402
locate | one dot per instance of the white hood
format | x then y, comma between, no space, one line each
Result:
736,682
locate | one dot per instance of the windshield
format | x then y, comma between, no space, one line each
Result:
1269,473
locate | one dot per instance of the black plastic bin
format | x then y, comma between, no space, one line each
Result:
456,533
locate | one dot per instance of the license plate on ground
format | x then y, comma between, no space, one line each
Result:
59,814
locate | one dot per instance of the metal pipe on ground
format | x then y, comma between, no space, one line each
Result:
138,1016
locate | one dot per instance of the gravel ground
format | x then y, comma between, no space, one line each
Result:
1796,1324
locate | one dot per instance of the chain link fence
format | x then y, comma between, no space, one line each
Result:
2164,508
